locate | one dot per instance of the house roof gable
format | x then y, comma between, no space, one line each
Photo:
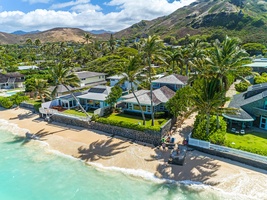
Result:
172,79
87,74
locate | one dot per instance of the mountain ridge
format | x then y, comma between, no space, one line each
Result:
245,19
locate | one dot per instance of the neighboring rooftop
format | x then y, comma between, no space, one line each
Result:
172,79
27,67
117,77
87,74
137,93
99,92
161,95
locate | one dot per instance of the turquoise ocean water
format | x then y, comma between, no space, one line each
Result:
30,171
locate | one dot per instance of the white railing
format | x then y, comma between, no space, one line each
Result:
199,143
239,153
236,152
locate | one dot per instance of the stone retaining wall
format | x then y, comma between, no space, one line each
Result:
152,137
26,105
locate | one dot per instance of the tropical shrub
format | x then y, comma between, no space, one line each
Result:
5,102
242,86
260,79
216,136
125,124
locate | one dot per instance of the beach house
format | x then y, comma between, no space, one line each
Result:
91,78
173,81
258,65
12,80
251,108
95,97
159,96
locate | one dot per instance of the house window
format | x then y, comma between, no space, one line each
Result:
83,79
263,123
265,105
130,106
99,77
137,107
161,107
148,108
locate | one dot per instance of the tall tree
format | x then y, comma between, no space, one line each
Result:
132,69
62,75
40,88
152,49
173,58
226,59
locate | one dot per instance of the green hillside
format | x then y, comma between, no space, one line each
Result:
245,19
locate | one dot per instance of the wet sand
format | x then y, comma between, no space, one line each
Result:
103,149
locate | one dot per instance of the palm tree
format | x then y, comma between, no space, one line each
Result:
152,49
173,58
225,59
207,99
62,75
87,37
131,70
40,88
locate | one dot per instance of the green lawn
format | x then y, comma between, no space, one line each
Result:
252,142
136,119
33,101
77,113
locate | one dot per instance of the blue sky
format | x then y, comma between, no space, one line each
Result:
112,15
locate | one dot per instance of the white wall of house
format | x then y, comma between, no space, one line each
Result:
90,80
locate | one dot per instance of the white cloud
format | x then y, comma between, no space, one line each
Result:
83,14
37,1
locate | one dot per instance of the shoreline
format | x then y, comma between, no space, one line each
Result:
100,148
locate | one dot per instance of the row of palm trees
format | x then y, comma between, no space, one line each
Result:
212,64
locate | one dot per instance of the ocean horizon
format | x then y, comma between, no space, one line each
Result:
32,170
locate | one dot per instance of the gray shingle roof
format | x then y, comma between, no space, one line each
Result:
161,95
87,74
245,98
173,79
137,93
96,95
16,75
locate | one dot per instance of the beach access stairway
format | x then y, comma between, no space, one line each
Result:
226,152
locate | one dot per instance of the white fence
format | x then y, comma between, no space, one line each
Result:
198,143
235,152
239,153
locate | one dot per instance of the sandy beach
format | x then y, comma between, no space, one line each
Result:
103,149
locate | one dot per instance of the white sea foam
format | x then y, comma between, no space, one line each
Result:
139,173
13,128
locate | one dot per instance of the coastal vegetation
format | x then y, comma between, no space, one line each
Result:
212,62
254,142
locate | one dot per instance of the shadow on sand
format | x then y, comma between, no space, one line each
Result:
196,168
101,149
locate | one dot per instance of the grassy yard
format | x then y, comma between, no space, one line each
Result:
135,119
252,142
77,113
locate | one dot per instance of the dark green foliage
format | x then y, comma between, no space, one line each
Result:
37,105
14,100
242,86
114,95
216,136
254,48
260,79
18,98
180,102
5,102
125,124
